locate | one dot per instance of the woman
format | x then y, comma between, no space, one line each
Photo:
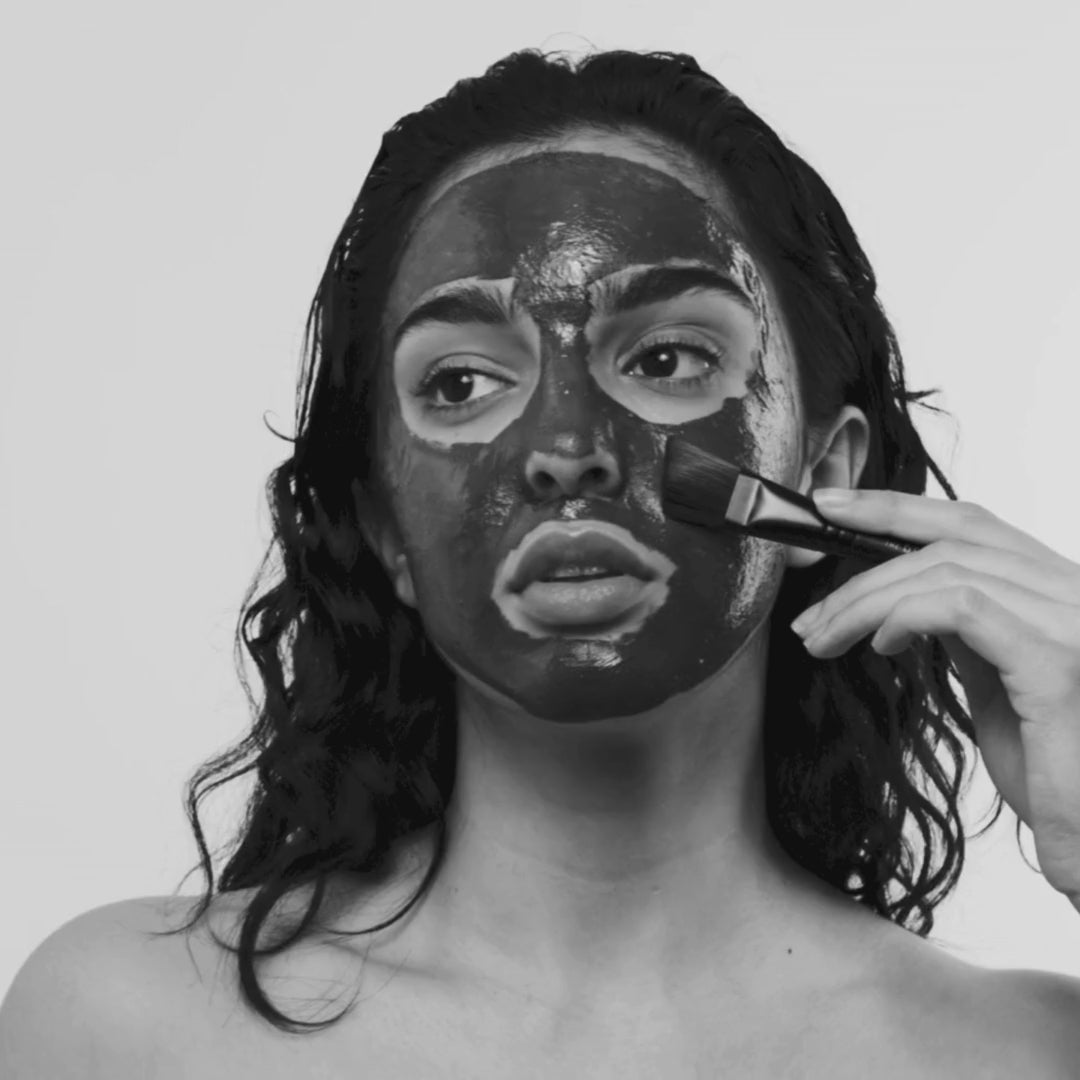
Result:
545,839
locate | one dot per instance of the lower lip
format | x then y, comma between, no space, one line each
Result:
570,603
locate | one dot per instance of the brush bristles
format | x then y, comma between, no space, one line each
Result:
697,485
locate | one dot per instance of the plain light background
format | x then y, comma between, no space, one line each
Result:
174,179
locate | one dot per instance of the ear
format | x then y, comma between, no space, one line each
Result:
381,532
837,460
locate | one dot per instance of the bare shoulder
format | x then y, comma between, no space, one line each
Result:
974,1021
1041,1010
134,999
92,970
941,1015
154,1007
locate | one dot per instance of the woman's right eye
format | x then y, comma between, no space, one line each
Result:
455,384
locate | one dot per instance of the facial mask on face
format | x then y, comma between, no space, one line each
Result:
557,407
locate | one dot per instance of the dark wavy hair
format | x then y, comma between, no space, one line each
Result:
354,745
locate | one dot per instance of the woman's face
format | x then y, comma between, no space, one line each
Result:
611,306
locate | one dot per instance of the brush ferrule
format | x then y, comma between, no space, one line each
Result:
697,484
752,501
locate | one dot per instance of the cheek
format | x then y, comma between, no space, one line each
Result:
437,500
772,416
762,429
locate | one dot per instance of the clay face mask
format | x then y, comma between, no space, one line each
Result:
579,308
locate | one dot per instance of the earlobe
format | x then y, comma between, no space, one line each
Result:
381,535
395,562
403,582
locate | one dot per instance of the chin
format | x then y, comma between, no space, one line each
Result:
583,681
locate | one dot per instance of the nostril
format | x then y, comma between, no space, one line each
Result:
549,474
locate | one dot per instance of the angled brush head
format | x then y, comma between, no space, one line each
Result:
702,489
697,485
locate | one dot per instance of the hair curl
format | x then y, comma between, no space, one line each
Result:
357,748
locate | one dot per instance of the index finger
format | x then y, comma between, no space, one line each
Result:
924,519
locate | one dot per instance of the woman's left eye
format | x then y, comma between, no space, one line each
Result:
661,358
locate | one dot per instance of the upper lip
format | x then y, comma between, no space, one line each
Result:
555,545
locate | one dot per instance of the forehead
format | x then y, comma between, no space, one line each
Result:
591,205
639,147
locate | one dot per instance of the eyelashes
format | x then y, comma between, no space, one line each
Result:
672,343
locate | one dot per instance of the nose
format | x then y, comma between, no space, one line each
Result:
572,438
574,474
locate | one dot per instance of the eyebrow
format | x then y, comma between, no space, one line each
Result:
473,303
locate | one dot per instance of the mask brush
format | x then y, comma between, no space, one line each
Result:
702,489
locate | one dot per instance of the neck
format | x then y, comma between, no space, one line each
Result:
630,851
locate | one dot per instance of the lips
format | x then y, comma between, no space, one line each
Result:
584,605
593,548
580,603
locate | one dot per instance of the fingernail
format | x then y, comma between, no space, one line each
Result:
831,498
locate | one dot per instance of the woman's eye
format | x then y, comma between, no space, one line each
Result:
456,385
454,388
661,360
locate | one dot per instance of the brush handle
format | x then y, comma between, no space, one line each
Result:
780,514
833,540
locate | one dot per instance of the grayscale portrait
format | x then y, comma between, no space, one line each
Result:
657,587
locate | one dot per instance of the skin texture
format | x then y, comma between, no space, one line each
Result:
564,427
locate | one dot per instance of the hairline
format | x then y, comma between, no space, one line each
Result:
684,165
